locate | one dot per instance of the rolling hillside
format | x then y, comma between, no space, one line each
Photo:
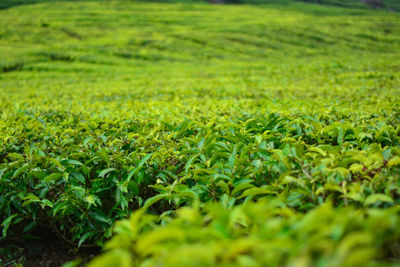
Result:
200,134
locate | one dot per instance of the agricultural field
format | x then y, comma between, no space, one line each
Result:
190,134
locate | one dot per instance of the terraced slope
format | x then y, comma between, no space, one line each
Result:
243,134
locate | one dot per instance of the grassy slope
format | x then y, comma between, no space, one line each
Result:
139,70
271,50
387,4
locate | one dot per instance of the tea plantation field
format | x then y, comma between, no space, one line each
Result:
190,134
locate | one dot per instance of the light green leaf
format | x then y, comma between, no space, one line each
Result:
372,199
394,161
91,199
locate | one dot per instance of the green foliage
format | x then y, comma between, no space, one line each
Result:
236,135
256,234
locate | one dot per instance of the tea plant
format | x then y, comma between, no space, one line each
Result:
232,135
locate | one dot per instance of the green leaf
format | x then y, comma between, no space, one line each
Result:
21,170
87,140
29,226
46,202
241,187
133,187
103,155
257,191
79,176
318,150
84,237
91,199
114,258
73,162
152,200
103,173
394,161
141,163
189,163
30,199
52,177
100,217
372,199
74,263
6,224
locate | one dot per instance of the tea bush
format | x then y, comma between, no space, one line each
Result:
229,135
266,233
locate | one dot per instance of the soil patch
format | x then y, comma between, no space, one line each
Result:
43,249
